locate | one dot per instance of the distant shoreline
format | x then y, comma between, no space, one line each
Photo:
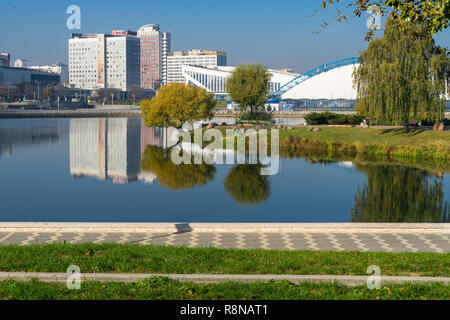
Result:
129,112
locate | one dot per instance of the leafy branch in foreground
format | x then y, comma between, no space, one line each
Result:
434,13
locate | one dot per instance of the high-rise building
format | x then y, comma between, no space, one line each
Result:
105,61
155,47
201,58
5,59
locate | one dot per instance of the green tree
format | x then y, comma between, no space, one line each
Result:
399,194
176,177
248,86
434,13
176,104
246,185
402,76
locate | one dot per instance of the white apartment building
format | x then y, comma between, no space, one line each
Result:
201,58
59,68
104,61
166,48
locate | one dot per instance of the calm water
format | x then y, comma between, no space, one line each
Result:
111,170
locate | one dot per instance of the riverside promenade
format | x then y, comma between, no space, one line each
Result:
135,111
313,236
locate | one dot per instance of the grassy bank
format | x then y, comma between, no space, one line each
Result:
396,143
157,288
123,258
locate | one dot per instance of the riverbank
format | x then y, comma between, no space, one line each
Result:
395,143
97,112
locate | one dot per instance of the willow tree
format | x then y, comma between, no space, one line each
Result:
399,194
402,76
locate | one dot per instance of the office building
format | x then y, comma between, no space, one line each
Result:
5,59
100,61
59,68
17,77
201,58
155,46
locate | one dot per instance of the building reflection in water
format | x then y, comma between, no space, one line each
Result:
28,132
111,148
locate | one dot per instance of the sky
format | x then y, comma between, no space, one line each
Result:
277,33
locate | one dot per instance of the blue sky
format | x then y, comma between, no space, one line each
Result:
276,33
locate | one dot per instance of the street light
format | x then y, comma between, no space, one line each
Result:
38,83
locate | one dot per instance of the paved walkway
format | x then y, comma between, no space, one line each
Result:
334,237
217,278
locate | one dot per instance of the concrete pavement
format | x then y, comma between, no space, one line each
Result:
278,236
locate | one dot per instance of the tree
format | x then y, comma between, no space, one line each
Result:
176,177
434,13
402,75
177,103
399,195
246,185
248,87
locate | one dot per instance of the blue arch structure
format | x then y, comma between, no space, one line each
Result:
308,75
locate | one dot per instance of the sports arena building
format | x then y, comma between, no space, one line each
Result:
329,86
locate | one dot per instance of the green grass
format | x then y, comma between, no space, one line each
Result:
395,142
122,258
158,288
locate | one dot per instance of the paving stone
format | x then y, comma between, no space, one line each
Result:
299,241
15,238
401,242
155,239
346,242
439,241
252,241
205,240
322,242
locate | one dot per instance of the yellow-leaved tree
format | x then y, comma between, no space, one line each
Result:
176,104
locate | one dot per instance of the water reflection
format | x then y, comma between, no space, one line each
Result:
336,188
26,132
157,163
246,185
399,194
105,148
111,148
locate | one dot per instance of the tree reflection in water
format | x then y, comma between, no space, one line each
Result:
176,177
399,194
246,185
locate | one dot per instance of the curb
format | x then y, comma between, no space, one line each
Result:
218,278
435,228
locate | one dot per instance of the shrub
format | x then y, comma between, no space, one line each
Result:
327,117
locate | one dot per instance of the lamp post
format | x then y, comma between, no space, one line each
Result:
38,93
